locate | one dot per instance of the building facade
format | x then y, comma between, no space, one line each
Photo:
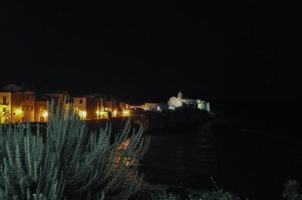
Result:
5,106
79,105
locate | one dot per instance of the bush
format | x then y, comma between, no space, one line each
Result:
291,191
214,195
68,162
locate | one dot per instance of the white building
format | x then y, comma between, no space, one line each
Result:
180,101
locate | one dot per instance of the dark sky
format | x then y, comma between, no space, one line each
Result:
151,51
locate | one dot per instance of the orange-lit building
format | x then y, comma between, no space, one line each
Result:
17,112
79,105
28,106
41,111
91,107
5,107
18,105
11,104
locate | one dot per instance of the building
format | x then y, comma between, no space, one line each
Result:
203,105
79,105
11,99
58,97
149,106
28,106
91,107
107,108
41,111
176,102
41,108
5,107
19,105
181,102
17,102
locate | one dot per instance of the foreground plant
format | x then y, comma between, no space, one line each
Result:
67,162
214,195
291,190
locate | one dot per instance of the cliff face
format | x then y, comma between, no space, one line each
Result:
176,119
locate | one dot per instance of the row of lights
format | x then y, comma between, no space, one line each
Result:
102,114
19,112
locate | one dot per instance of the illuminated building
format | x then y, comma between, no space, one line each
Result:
149,106
5,107
106,108
126,113
41,111
91,107
17,112
28,106
79,105
180,102
11,106
18,105
59,97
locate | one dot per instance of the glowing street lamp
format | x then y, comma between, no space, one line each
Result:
82,114
45,114
126,112
114,113
19,111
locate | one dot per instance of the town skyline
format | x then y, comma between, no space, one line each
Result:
24,104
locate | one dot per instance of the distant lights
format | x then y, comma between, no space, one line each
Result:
45,114
114,113
19,111
171,108
100,114
126,112
82,114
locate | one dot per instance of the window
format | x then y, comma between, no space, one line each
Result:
81,101
4,100
29,108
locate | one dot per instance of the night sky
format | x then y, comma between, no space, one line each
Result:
221,51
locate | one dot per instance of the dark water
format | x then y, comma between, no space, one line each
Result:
180,158
242,159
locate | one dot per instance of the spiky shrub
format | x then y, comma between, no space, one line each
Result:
214,195
67,162
291,190
219,194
